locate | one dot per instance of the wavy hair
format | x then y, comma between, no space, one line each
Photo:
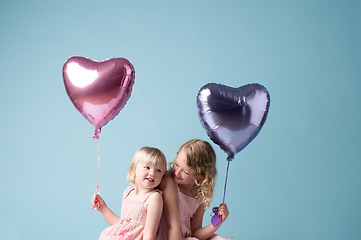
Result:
201,158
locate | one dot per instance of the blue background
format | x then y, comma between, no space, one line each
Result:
300,177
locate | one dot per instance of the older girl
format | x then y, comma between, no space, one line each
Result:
188,190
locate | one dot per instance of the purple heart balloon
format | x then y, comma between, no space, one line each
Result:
233,117
99,90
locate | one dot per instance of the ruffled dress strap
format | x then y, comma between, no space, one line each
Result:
127,191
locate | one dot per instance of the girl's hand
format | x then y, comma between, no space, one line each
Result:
98,203
223,211
206,232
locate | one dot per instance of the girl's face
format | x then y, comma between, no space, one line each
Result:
183,174
147,175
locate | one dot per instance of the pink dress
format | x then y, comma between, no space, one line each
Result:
131,225
187,207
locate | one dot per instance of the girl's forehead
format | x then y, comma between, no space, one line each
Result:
181,160
150,163
182,155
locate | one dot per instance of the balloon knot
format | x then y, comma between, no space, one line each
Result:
214,211
230,158
96,133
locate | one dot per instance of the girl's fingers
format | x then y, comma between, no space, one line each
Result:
223,211
99,198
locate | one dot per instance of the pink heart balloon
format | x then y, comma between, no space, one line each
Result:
99,90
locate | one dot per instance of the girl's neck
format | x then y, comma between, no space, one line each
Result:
142,191
188,190
139,194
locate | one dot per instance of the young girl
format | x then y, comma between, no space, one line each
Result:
142,205
190,184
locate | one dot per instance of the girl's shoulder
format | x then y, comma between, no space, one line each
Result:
168,173
168,176
156,194
154,197
167,182
127,190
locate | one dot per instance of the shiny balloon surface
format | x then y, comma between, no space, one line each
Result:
99,90
233,117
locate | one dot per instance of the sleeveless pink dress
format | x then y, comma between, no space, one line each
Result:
187,207
131,225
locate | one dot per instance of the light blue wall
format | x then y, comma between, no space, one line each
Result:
299,179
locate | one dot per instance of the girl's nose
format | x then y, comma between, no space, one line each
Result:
176,172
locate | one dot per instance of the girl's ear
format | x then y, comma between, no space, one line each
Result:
200,179
132,173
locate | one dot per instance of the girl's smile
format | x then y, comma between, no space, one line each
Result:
177,177
150,179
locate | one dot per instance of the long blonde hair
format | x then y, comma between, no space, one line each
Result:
201,158
146,155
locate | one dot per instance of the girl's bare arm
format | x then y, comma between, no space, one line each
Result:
154,213
170,206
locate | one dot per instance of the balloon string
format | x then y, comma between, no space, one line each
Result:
225,184
98,165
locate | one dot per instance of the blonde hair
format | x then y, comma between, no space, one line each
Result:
201,158
149,155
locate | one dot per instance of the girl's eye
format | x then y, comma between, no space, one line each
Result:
146,167
158,170
186,172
